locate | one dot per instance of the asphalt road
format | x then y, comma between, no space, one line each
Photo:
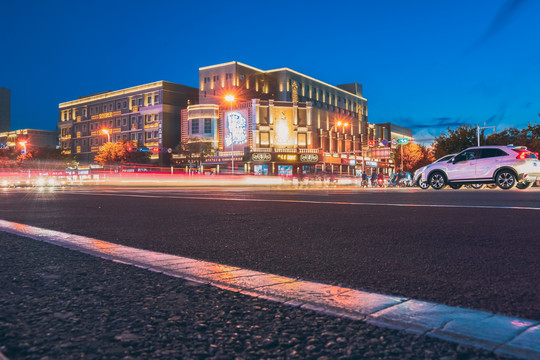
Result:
474,249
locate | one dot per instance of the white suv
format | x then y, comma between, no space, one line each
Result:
505,166
417,178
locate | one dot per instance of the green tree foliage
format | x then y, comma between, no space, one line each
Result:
529,137
414,156
112,153
456,140
464,136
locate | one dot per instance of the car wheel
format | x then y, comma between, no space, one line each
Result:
455,186
437,180
423,185
523,185
505,179
477,186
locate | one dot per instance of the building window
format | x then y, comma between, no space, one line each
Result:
124,121
156,99
195,126
125,104
207,126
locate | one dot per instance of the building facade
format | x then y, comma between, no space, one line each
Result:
147,115
282,122
5,110
33,138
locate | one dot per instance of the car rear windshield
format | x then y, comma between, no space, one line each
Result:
526,154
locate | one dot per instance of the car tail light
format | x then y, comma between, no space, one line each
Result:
522,155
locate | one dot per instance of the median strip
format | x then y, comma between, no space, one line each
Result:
502,334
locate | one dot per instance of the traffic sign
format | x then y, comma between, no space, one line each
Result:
169,150
403,141
394,142
372,143
384,142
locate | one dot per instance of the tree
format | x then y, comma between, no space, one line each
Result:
456,140
414,157
196,150
112,152
529,137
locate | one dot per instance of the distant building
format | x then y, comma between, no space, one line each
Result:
283,122
5,109
147,115
34,138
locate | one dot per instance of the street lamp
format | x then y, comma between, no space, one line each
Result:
343,126
23,144
105,131
230,98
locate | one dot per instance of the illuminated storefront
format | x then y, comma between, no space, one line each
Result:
282,122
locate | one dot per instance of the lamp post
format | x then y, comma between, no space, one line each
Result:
105,131
23,144
230,98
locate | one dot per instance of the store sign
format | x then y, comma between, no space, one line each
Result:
106,115
237,129
261,157
371,163
286,157
309,158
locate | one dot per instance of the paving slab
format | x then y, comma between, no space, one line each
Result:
525,345
421,316
485,332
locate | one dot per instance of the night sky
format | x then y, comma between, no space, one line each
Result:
424,64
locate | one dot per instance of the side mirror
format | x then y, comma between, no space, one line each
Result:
453,161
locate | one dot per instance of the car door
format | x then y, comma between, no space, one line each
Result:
463,167
489,162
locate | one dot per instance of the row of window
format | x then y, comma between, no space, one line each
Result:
95,141
151,99
207,126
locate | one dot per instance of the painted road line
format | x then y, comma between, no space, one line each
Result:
504,335
317,202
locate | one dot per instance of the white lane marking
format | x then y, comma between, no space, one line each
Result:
312,201
502,334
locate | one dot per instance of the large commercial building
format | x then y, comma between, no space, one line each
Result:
283,122
31,137
147,115
5,110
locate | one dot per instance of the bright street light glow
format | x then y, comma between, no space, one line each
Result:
229,98
339,123
105,131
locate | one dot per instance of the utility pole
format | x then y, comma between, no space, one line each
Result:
478,131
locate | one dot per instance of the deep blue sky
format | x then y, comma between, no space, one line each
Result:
422,63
